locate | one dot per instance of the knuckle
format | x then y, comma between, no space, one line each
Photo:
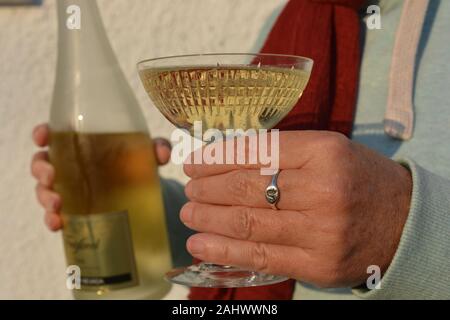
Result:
339,191
341,198
339,184
238,186
243,223
259,258
336,144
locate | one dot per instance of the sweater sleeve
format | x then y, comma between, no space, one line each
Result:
420,268
174,199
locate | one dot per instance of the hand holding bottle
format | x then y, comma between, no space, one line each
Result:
43,171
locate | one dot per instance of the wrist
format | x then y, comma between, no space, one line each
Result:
402,198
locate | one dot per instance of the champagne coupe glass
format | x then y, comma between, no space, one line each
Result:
224,91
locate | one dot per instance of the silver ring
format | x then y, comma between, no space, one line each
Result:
273,192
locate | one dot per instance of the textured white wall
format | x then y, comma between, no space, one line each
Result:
31,258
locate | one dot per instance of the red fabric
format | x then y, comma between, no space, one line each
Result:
280,291
328,32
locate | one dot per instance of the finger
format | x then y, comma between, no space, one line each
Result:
244,223
266,258
41,134
292,152
50,200
163,148
42,169
247,188
53,221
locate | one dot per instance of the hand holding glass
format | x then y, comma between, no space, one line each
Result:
225,91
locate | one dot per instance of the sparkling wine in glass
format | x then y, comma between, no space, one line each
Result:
225,91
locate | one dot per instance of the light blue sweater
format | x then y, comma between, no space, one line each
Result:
421,266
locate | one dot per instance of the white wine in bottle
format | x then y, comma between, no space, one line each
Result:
106,172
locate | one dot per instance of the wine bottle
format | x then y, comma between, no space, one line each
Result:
114,225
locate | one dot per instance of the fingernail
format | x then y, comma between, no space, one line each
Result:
163,142
186,212
195,246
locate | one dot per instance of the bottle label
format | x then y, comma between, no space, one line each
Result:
101,246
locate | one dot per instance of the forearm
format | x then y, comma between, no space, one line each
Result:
421,266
